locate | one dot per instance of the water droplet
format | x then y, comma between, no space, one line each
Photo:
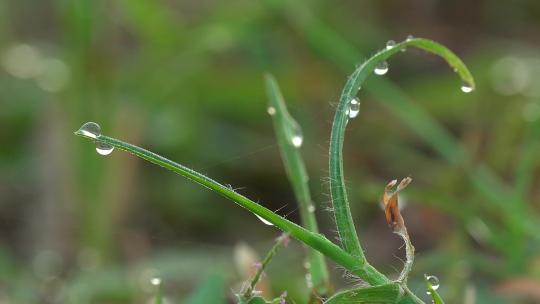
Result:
466,88
296,137
271,110
90,129
297,141
311,208
354,108
155,281
264,221
309,280
390,44
307,265
433,281
104,149
381,68
409,38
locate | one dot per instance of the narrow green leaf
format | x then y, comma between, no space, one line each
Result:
286,128
281,241
313,240
158,298
344,221
434,294
383,294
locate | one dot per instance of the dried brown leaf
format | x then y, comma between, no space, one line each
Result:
391,207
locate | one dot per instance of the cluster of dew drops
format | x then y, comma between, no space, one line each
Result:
354,104
93,130
382,67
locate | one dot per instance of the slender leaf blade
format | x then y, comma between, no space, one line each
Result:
295,168
313,240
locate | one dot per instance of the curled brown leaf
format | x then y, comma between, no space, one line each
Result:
391,208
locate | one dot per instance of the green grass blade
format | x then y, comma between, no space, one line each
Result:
313,240
285,126
281,241
159,295
526,165
344,221
384,294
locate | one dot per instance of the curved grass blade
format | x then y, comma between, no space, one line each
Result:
285,127
383,294
344,221
313,240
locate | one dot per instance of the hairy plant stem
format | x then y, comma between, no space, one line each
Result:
411,294
409,255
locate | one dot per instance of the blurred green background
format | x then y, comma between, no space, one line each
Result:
185,79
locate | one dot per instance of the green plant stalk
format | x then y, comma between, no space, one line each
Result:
297,174
269,256
432,292
313,240
158,297
382,294
342,212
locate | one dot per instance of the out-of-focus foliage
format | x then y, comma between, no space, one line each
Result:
185,78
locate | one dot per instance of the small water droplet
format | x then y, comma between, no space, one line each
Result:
390,44
409,38
297,141
307,265
434,282
311,208
271,110
466,88
296,137
381,68
155,281
354,108
104,149
264,221
90,129
309,280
